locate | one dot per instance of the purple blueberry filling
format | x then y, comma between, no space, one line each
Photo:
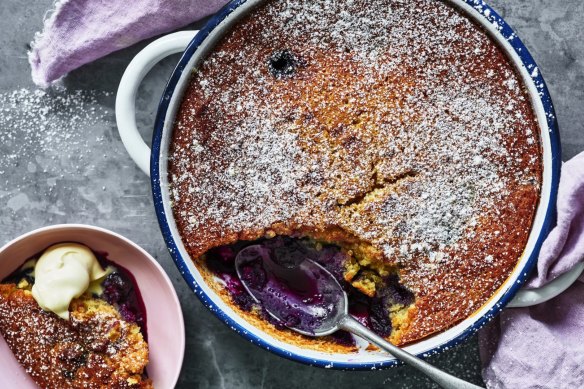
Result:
298,295
238,293
120,290
273,263
332,259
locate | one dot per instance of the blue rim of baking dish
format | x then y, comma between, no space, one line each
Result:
549,220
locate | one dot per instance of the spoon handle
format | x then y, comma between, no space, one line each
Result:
442,378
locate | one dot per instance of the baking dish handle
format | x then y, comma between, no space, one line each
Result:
528,297
142,63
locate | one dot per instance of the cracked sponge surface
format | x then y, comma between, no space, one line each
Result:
396,129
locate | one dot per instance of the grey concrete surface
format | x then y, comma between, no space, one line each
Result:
76,170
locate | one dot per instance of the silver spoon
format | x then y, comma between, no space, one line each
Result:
308,299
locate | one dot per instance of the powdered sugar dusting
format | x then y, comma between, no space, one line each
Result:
46,124
250,169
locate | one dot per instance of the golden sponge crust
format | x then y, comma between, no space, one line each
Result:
95,349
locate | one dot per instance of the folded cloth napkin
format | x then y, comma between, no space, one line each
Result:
542,346
80,31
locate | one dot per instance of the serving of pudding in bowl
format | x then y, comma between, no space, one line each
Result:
81,306
393,142
73,318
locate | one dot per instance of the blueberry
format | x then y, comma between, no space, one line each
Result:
394,292
115,280
333,260
128,313
243,300
283,63
115,288
221,260
118,281
112,294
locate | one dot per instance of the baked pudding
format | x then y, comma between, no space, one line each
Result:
393,142
65,336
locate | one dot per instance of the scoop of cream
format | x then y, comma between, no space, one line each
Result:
62,273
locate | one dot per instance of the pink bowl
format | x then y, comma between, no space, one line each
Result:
166,331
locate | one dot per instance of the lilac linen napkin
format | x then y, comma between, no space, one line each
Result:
80,31
543,346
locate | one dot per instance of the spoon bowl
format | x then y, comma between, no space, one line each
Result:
302,294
